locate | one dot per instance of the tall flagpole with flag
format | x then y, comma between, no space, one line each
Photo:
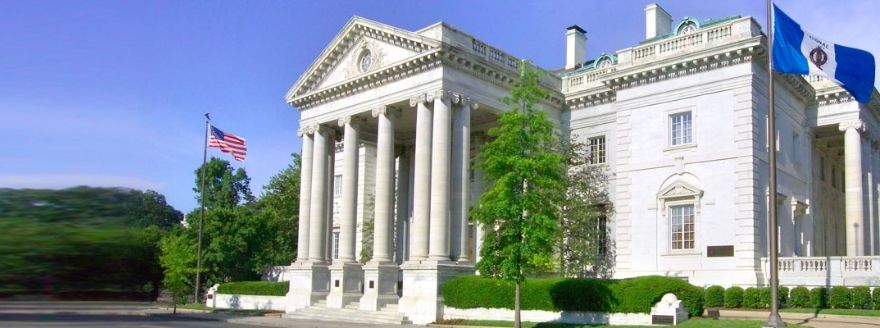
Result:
202,212
774,320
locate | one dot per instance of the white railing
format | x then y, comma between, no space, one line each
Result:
584,80
687,42
827,271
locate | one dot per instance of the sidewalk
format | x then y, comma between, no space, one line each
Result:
807,319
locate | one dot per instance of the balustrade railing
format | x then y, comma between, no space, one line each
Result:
830,270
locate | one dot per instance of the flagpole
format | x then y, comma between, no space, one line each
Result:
202,212
774,320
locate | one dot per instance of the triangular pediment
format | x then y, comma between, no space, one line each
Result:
680,189
342,59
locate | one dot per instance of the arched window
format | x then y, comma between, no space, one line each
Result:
688,25
604,61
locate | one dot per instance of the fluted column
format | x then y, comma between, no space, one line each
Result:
477,189
348,213
318,200
402,220
305,195
382,232
421,180
461,143
440,160
853,179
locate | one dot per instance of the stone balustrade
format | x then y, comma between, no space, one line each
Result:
827,271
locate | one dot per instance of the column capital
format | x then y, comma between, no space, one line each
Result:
441,94
858,125
391,112
415,100
349,120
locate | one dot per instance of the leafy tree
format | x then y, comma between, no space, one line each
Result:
279,208
527,176
584,247
224,187
179,262
367,228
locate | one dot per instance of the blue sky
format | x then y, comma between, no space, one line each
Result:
111,93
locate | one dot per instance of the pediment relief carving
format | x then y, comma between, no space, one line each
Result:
679,190
340,59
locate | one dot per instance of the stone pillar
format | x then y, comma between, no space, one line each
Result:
440,160
477,191
381,273
317,217
461,144
310,278
305,195
421,180
346,275
328,208
402,219
853,179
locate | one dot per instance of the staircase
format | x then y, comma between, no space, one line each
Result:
351,313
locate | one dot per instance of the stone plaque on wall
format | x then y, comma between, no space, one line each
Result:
719,251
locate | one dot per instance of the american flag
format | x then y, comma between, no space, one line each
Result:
228,143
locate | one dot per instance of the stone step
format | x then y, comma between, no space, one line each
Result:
321,313
353,305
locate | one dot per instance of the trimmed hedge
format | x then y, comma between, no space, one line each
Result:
751,298
861,297
632,295
715,296
733,297
875,296
800,297
781,296
839,298
819,297
263,288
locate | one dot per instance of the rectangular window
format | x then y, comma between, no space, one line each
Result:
596,150
682,227
822,168
335,244
833,176
337,185
602,236
680,129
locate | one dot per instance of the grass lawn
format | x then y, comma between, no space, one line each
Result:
692,323
858,312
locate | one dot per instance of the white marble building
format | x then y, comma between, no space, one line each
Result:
391,119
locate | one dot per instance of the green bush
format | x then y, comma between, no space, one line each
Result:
860,297
875,296
839,298
733,297
800,297
763,297
782,296
633,295
751,298
266,288
819,297
715,296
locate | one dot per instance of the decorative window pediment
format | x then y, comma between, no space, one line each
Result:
680,191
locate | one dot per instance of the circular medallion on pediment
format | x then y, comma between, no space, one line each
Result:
365,60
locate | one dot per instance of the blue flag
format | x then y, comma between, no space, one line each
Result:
798,52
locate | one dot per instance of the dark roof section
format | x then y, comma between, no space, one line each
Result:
576,28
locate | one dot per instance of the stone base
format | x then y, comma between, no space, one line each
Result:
309,283
422,301
346,282
380,285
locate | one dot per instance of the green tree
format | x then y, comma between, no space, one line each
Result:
178,261
279,208
224,187
584,247
527,177
367,228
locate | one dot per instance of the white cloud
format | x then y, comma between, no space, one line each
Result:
60,180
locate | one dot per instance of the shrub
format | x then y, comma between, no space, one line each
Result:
819,297
800,297
839,298
733,297
860,297
875,296
782,296
751,298
763,297
633,295
266,288
715,296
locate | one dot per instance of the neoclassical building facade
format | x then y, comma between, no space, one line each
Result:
391,121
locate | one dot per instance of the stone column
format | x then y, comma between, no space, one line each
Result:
346,275
317,219
421,180
381,273
305,195
328,209
402,219
853,179
440,160
461,143
477,189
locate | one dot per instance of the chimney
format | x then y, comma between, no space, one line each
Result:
658,22
575,46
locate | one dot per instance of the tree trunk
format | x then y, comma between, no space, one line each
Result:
516,320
